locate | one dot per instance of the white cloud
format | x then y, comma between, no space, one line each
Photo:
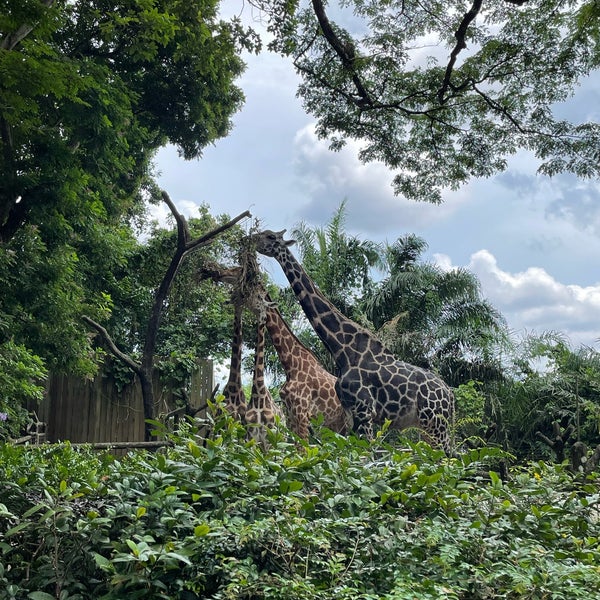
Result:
161,213
328,177
532,300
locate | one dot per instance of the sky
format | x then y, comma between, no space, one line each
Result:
532,241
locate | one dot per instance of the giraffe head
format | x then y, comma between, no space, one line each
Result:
219,273
269,242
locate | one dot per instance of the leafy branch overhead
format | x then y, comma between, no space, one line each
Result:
445,91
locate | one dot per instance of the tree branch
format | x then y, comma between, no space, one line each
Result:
461,44
135,367
183,231
346,52
11,40
201,241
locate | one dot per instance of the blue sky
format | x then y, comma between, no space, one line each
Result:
533,242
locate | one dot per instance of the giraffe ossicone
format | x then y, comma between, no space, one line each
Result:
372,384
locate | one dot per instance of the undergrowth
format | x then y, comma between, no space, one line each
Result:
337,518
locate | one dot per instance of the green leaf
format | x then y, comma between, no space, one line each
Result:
17,528
201,530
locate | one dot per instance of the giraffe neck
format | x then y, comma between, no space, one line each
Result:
235,368
332,327
258,380
289,348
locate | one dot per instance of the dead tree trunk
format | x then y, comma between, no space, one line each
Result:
145,369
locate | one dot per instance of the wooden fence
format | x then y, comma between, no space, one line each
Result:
94,411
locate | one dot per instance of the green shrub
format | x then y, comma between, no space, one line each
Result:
21,377
335,518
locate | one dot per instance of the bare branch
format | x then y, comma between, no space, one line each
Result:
461,44
135,367
201,241
183,232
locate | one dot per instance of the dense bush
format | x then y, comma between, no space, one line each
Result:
339,518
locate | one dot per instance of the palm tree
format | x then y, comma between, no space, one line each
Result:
435,318
550,384
340,264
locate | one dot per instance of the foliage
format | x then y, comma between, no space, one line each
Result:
340,265
434,318
197,318
550,383
442,92
334,518
21,382
43,299
89,90
471,417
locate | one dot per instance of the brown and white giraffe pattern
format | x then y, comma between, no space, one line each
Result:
235,399
309,389
262,412
372,384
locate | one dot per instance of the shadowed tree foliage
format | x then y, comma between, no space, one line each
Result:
442,92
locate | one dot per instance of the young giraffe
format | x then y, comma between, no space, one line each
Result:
262,411
309,389
372,384
235,400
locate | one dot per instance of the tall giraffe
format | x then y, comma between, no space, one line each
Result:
372,384
262,411
309,389
235,400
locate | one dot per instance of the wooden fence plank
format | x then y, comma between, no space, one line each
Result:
84,411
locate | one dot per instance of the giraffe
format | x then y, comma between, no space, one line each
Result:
262,411
309,389
235,399
372,384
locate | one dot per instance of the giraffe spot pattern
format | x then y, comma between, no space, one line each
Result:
372,384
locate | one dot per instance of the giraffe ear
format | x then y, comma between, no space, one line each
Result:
286,242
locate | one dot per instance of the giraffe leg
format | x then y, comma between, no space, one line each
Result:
437,433
361,406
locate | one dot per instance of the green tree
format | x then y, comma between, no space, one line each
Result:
21,382
445,91
159,277
340,265
434,318
550,383
89,90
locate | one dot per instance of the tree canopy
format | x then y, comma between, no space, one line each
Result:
445,91
88,92
434,318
